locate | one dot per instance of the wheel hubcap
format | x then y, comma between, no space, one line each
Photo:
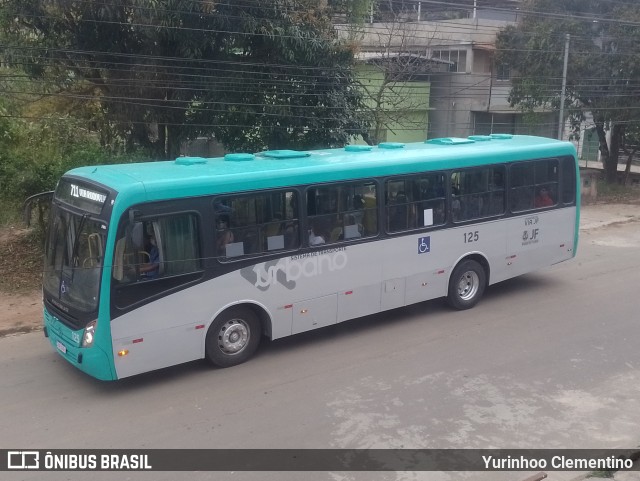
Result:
468,285
233,336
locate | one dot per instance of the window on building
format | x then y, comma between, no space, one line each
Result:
457,59
503,71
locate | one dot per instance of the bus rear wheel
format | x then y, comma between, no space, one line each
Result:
466,285
233,337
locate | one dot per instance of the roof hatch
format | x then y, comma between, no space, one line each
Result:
358,148
501,136
284,154
391,145
450,141
190,160
240,157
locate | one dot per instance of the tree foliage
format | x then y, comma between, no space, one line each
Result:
294,84
36,148
603,76
389,81
256,74
39,152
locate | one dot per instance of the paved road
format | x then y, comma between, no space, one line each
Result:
549,360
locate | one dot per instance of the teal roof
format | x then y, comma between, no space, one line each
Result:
201,176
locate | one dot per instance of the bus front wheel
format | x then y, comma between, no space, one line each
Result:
466,285
233,337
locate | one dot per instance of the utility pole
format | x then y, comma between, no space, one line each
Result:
564,86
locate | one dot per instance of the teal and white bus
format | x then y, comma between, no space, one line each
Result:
155,264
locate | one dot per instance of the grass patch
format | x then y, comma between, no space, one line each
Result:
10,213
617,193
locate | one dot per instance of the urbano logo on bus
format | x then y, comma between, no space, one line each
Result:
287,271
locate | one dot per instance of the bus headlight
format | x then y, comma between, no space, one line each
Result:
89,334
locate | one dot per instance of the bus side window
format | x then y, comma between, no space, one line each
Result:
568,180
129,253
143,270
341,212
534,185
251,224
522,193
415,202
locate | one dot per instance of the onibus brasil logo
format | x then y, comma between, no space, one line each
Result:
288,270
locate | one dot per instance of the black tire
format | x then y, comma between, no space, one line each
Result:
466,285
233,337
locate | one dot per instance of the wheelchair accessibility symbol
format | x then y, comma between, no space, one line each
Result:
424,245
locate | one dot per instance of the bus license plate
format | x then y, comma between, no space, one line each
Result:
61,347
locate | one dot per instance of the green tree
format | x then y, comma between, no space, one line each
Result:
40,139
353,11
287,81
603,71
256,74
630,147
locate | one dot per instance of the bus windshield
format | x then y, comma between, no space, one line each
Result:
74,256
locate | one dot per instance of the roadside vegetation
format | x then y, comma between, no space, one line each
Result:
20,259
616,194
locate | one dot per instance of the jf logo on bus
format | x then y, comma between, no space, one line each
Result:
424,245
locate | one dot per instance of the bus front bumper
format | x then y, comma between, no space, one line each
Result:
66,341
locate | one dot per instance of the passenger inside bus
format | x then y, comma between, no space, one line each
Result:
317,236
543,199
150,269
223,235
401,213
456,206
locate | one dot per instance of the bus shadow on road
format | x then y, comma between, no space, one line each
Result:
317,340
344,333
528,284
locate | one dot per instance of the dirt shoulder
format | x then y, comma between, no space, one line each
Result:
21,266
20,280
20,312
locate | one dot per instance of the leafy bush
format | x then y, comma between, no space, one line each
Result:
36,154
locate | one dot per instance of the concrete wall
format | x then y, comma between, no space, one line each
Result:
402,106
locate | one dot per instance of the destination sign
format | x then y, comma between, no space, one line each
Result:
81,195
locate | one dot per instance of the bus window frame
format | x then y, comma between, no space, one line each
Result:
379,186
557,203
211,201
564,162
149,212
412,176
452,222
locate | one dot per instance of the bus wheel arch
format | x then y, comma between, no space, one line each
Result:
234,335
468,281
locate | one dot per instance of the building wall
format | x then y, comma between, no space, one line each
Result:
477,103
403,106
